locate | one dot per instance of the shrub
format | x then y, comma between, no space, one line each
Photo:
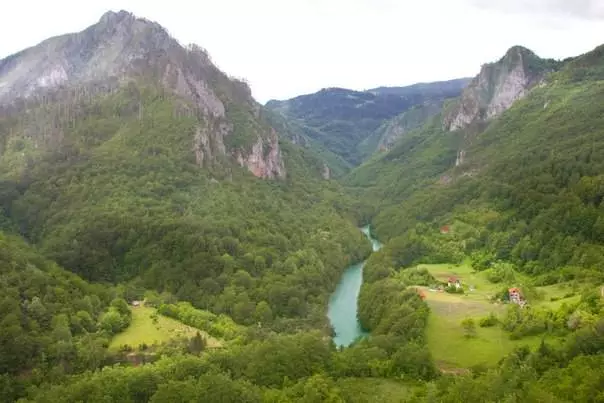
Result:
488,321
454,290
469,327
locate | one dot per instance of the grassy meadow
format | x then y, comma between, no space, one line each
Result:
142,329
445,334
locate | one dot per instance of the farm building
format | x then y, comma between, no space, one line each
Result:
516,296
454,281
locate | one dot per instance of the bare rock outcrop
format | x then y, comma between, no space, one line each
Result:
497,87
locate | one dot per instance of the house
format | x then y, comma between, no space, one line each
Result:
516,296
453,281
444,229
136,303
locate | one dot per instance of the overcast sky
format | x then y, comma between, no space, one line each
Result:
284,48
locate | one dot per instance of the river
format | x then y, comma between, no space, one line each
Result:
342,312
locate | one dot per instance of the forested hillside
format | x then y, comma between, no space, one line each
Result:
135,206
342,122
165,238
128,178
500,203
527,184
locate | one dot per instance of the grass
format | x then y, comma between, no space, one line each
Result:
560,293
143,330
357,390
450,347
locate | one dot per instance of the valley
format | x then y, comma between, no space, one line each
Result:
164,237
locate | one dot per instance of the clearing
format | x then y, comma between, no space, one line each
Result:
143,330
446,340
361,390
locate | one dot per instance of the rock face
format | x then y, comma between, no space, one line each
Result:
497,87
264,160
122,48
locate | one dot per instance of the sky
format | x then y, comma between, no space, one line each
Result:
284,48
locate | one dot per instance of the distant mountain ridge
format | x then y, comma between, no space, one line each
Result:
446,89
342,121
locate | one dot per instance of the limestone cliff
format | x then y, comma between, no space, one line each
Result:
264,160
497,87
122,49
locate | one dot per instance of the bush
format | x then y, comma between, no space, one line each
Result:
454,290
488,321
469,327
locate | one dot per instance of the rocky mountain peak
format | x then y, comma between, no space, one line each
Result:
519,50
113,17
122,48
497,87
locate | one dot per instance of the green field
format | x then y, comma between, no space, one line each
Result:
446,339
143,330
374,390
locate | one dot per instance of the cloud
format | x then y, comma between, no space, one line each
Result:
579,9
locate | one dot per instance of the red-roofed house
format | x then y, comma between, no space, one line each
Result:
453,281
516,296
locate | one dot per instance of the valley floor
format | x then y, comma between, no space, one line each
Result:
451,349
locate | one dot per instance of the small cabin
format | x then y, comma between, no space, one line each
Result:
516,296
445,229
453,282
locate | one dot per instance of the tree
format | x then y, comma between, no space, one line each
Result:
111,322
320,389
197,344
264,313
121,306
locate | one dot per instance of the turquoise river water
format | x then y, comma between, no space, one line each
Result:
342,312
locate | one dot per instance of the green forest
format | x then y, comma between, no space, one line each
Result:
131,272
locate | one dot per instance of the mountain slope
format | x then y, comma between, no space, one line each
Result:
525,189
436,89
52,320
144,163
385,136
341,120
120,48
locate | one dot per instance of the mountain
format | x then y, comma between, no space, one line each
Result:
518,177
385,136
436,89
164,238
498,86
125,157
341,120
67,69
